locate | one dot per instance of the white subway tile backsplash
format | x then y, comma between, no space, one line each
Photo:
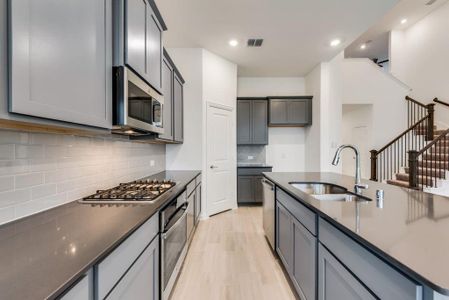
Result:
6,183
29,151
14,197
7,151
40,171
29,180
43,190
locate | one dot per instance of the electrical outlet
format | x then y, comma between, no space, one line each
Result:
250,157
152,163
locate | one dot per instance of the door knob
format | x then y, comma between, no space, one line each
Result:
213,167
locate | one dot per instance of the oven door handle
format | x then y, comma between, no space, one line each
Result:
177,223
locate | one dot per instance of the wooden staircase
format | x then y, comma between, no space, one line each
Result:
419,157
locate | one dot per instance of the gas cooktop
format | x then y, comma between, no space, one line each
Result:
139,191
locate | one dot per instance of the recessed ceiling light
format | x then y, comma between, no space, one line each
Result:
335,43
403,21
363,46
233,43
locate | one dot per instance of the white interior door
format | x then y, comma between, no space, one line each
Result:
221,167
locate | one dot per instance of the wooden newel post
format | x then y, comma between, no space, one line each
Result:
373,165
413,169
430,121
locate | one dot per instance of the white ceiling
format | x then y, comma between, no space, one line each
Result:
296,32
412,10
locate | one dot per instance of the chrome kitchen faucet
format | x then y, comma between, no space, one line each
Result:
358,185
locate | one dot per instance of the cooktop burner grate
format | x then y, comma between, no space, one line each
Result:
140,190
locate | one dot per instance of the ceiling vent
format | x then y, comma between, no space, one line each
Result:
430,2
255,42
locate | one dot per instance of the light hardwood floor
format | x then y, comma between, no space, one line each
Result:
229,258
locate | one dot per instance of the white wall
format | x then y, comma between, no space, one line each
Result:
286,149
209,78
220,87
419,57
189,155
313,133
357,129
365,83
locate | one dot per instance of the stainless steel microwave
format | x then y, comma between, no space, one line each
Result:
138,108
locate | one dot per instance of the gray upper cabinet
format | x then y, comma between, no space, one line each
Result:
244,122
60,59
335,282
178,109
143,40
167,83
154,51
259,119
136,38
290,111
252,118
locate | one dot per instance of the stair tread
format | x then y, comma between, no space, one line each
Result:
397,182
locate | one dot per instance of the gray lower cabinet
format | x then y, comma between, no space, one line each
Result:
290,111
297,248
178,109
252,118
245,189
284,237
60,62
249,185
143,42
141,281
336,282
82,290
304,261
197,203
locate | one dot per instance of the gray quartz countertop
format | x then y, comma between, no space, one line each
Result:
411,231
43,254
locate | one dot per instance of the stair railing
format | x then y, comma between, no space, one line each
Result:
430,163
389,160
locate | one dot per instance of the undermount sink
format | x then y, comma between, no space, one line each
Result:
327,192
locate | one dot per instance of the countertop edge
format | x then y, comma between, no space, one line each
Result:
76,277
366,244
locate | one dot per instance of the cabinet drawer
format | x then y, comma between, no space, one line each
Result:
378,276
304,215
191,187
111,269
252,171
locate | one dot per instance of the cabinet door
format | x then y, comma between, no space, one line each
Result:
197,203
284,237
141,281
61,60
335,282
136,36
154,50
298,112
259,119
278,111
258,189
245,189
167,85
178,116
243,122
83,289
304,266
